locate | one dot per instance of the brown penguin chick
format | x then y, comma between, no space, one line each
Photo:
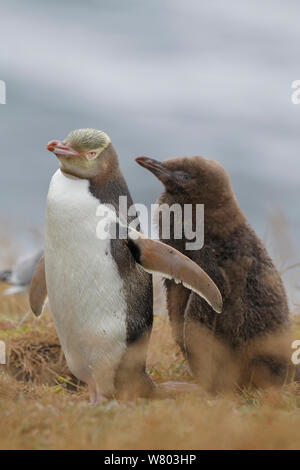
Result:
250,342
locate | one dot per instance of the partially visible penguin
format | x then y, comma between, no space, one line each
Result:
99,295
20,275
250,343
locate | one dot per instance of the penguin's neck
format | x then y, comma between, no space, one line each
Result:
224,220
68,192
109,190
106,187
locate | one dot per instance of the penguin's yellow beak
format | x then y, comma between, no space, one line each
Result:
61,149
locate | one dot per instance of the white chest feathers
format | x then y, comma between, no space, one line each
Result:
85,290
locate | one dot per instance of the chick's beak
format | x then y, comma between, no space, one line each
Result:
59,148
157,168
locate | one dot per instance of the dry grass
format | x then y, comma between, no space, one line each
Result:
43,407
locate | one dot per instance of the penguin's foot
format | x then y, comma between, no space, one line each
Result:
95,395
101,399
96,398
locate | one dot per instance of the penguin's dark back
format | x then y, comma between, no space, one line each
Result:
137,283
110,192
138,289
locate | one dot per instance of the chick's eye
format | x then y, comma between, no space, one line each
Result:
92,154
182,176
185,177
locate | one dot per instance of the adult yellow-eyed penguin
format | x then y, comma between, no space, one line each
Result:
99,295
250,343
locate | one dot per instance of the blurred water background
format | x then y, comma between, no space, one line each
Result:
163,78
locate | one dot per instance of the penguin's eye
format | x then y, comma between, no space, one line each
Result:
184,177
90,155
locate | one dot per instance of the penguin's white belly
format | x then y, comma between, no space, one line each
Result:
85,290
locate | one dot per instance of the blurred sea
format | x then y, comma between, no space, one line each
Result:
162,78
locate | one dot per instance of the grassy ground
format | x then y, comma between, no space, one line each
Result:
43,407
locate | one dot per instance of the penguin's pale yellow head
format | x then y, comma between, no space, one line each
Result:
80,152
